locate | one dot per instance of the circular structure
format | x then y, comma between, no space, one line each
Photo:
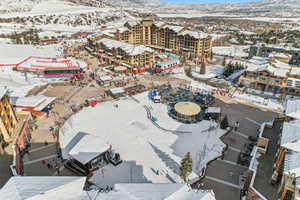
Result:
186,112
185,105
187,109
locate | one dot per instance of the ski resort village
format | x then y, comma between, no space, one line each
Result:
147,100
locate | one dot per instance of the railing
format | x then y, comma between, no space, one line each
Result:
253,163
266,80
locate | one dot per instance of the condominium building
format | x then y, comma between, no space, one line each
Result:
122,53
265,50
287,165
8,119
273,77
178,39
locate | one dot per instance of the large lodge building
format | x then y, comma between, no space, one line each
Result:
178,39
133,44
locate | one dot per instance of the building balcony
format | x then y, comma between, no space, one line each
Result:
264,80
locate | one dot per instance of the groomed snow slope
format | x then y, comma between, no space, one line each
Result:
144,148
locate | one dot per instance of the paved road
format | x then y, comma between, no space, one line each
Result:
223,175
5,173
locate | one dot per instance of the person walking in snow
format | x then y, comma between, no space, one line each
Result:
236,126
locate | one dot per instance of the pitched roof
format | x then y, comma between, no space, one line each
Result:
290,135
292,108
292,163
71,188
3,91
128,48
159,24
281,72
195,34
174,28
39,101
148,191
88,148
26,187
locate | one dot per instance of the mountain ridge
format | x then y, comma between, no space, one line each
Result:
263,6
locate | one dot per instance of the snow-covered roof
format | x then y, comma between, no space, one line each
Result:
293,82
236,51
71,188
133,22
159,24
122,29
39,102
280,72
213,110
88,148
128,48
277,47
95,35
195,34
105,78
174,28
117,90
292,108
292,163
39,187
148,191
280,55
3,91
282,65
295,70
259,60
290,134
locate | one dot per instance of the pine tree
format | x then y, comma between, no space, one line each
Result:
224,123
224,61
186,166
203,68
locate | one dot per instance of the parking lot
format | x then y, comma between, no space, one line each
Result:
223,175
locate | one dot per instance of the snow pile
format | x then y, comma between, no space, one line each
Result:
150,154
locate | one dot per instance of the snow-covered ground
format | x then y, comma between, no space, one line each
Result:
259,101
274,19
211,72
179,73
13,53
45,7
192,15
17,83
144,148
234,50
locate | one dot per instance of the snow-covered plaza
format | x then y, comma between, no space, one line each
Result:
150,152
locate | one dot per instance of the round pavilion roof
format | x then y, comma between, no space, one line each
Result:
187,108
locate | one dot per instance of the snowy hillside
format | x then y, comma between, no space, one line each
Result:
43,6
7,6
58,12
